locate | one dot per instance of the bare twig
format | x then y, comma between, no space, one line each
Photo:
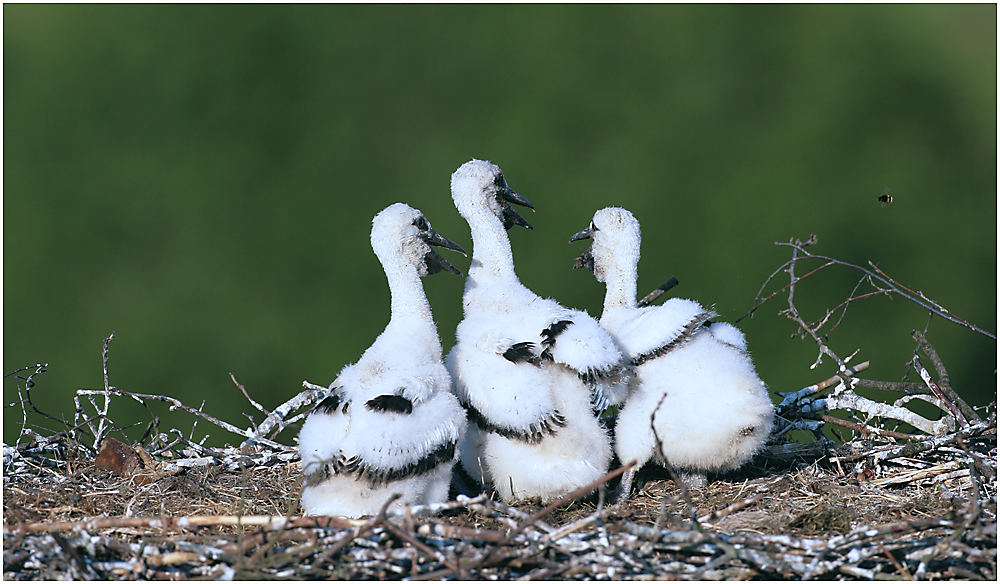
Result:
176,404
866,430
880,276
955,414
660,291
276,419
243,390
792,399
965,414
793,313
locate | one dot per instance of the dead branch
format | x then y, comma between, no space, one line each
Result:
243,390
956,404
278,418
176,404
880,276
866,430
792,399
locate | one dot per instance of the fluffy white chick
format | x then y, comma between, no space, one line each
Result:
529,371
390,424
715,412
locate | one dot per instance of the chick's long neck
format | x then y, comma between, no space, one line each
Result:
410,311
492,266
621,286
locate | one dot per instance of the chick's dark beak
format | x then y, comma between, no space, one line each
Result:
432,259
511,196
587,233
510,216
434,238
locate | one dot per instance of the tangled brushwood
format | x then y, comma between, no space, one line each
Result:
880,492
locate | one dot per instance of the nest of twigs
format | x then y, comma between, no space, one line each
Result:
798,511
896,495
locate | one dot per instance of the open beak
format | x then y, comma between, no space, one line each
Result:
510,216
432,259
587,233
434,238
586,259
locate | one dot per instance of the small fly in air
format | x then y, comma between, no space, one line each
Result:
885,198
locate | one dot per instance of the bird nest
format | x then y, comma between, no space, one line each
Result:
875,492
797,511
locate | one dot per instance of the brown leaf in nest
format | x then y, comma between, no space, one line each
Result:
117,457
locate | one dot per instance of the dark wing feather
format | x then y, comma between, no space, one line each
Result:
332,402
390,403
690,329
533,434
374,476
521,353
549,334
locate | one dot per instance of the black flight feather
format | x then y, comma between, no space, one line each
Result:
553,331
390,403
521,352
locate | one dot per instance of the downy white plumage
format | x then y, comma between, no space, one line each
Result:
525,367
715,412
390,424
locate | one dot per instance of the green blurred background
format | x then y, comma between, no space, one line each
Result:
201,179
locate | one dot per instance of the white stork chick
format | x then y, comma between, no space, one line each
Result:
715,412
390,424
527,369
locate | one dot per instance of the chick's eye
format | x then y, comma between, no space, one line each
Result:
593,227
421,224
499,181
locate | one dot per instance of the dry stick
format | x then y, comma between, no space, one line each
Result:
848,400
107,386
576,525
176,404
793,397
910,295
914,296
905,387
786,286
914,448
310,394
660,291
459,532
926,376
365,527
239,385
516,513
24,417
901,568
793,313
172,523
944,381
673,473
866,430
29,382
782,267
433,554
851,298
737,506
